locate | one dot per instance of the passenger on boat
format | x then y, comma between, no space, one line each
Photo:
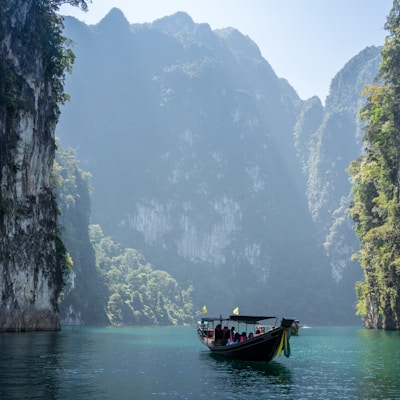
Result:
218,332
233,333
243,337
260,330
218,339
232,338
226,333
251,335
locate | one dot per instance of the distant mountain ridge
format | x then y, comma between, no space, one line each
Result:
211,165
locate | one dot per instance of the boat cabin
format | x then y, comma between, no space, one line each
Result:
237,328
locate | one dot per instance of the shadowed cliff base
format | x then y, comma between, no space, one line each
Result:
28,319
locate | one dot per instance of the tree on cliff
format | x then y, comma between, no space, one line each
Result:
33,61
376,206
137,293
84,293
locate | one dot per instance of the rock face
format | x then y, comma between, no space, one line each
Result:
327,140
31,253
188,134
211,165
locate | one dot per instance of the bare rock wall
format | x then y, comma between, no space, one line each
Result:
31,252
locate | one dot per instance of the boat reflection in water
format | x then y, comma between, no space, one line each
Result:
251,376
261,344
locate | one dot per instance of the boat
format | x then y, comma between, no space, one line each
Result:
263,343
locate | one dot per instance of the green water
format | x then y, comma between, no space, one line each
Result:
170,363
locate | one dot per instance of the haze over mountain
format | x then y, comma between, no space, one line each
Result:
212,166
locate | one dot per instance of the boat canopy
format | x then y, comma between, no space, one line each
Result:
248,319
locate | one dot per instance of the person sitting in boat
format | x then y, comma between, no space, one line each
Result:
243,337
218,338
218,332
226,333
251,335
232,339
260,330
233,333
237,337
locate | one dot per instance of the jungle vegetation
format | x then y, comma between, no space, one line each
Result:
108,283
376,206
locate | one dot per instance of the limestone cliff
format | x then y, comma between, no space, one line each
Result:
31,253
212,166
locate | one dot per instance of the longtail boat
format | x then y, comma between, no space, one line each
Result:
249,337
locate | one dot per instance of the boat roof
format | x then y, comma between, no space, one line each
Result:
249,319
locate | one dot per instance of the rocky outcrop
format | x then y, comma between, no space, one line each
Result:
193,160
327,140
206,161
31,253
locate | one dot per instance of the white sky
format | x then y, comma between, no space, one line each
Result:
305,41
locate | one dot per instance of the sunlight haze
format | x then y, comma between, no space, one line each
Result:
306,42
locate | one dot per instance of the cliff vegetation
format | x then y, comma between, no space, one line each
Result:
213,166
106,283
33,63
376,178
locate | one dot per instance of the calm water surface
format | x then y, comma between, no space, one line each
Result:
170,363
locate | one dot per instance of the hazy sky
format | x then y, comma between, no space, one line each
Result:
305,41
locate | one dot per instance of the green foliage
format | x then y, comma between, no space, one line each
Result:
376,206
44,41
55,4
9,94
85,292
58,58
138,294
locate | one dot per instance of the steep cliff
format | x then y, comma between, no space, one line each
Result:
32,256
326,141
375,209
211,165
188,134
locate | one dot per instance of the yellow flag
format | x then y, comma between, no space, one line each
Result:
204,309
236,311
